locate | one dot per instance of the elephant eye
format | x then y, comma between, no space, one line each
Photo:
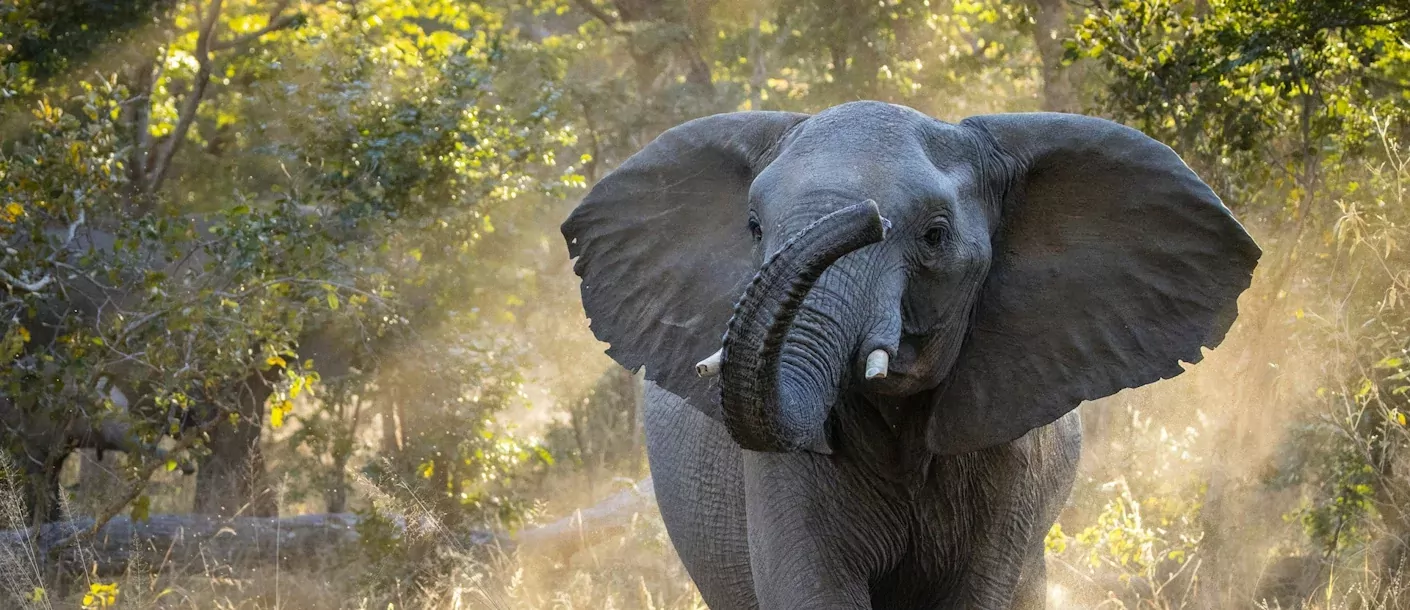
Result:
935,235
755,229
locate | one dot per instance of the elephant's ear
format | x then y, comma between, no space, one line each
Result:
1113,262
664,249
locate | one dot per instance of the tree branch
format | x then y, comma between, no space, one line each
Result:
187,116
597,13
34,286
277,21
139,120
1374,22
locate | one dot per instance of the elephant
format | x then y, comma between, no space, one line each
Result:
901,316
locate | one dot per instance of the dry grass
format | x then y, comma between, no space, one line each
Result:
431,568
427,566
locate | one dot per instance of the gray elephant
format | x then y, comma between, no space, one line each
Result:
903,315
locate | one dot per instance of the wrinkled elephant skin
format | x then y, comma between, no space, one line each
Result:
866,332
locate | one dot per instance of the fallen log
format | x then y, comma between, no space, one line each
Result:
187,543
589,526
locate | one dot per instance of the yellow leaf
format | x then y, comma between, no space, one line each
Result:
12,212
170,465
276,361
100,595
1299,313
333,301
37,595
278,411
1400,418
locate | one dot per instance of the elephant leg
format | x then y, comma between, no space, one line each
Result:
1032,593
1031,478
698,475
819,531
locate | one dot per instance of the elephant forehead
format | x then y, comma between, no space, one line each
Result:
820,184
863,135
845,172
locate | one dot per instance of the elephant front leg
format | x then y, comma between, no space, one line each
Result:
1032,591
1028,481
815,539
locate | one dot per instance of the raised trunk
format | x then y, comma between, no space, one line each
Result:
769,406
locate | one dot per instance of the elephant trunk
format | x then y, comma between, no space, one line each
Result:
768,406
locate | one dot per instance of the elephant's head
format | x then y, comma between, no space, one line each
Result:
1003,270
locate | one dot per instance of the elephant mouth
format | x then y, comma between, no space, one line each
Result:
776,395
920,365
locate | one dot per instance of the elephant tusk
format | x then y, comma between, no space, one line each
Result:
710,366
877,363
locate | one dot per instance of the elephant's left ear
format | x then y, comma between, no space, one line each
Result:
1113,263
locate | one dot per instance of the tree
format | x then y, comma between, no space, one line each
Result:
1294,113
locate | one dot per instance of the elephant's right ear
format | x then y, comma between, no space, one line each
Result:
664,249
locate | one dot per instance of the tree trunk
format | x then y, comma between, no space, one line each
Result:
1048,32
98,479
757,75
231,480
337,492
41,494
391,435
588,526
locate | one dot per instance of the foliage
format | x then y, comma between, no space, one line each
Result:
338,222
1141,535
1295,113
603,427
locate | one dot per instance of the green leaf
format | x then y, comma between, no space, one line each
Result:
544,455
142,506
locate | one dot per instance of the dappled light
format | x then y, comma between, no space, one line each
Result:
288,318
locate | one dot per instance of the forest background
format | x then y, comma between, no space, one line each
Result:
300,257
